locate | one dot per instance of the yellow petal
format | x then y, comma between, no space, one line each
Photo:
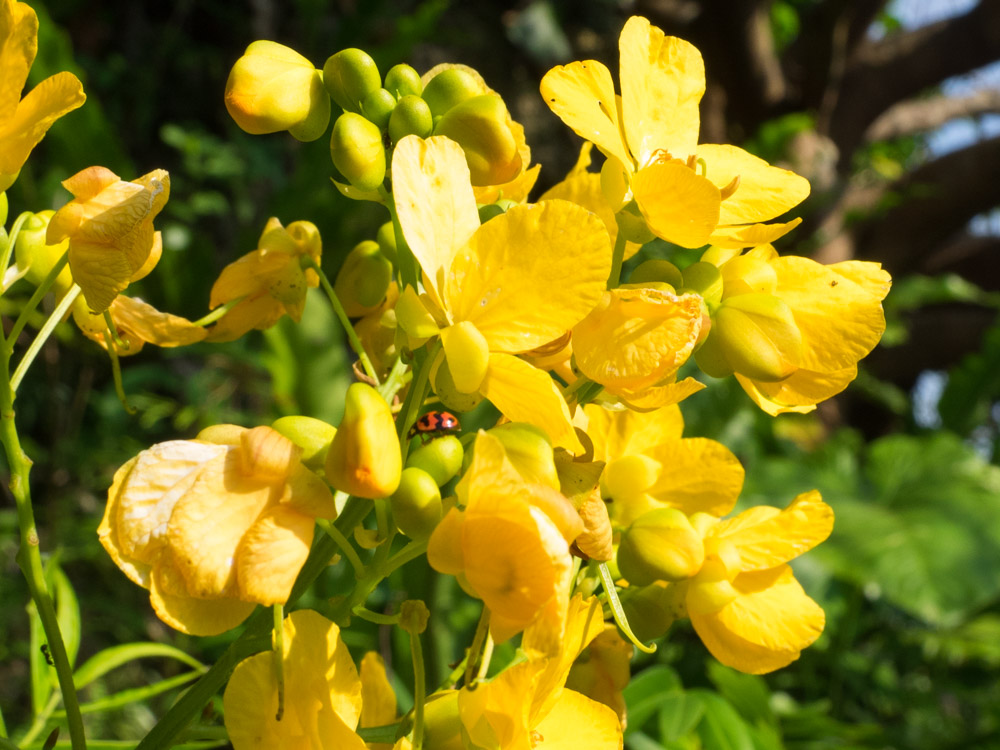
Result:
526,394
840,320
767,538
378,700
271,555
44,104
578,723
138,321
19,31
659,396
444,549
101,273
306,493
503,281
495,714
582,94
435,203
869,276
619,433
678,205
751,235
468,355
662,79
764,192
703,476
766,627
636,338
194,616
516,190
107,531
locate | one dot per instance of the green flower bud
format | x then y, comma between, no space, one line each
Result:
711,358
356,150
758,336
719,255
363,279
651,610
402,80
416,503
449,88
704,279
629,476
377,108
413,616
657,270
351,75
441,458
3,208
313,436
386,239
364,457
32,253
448,393
492,210
411,116
479,126
272,87
660,545
632,224
443,727
530,451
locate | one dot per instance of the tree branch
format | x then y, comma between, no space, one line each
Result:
919,115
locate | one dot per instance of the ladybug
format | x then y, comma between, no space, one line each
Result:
435,423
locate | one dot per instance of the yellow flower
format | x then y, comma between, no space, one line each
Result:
603,670
527,706
137,324
635,340
214,526
745,603
323,694
109,224
270,280
649,465
24,122
515,283
378,701
800,327
688,194
509,544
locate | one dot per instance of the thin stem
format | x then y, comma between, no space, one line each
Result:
472,659
36,297
395,380
43,335
218,312
352,335
617,257
484,662
345,546
116,372
29,557
15,229
376,617
112,329
278,655
419,691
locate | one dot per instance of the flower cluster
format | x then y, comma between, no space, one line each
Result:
471,293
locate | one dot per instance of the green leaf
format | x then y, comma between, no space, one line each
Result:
110,658
135,695
645,694
747,693
679,714
67,611
721,728
972,387
43,675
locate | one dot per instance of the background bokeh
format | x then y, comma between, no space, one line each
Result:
891,109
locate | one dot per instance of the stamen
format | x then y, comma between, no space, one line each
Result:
691,161
729,189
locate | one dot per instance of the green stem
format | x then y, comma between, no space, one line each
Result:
43,335
116,373
112,330
15,229
618,613
338,308
377,618
345,546
472,657
617,257
218,312
405,261
254,639
278,655
29,557
419,691
395,380
379,569
383,734
36,297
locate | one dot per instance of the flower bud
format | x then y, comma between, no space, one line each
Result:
313,436
745,275
711,590
357,152
468,353
411,116
413,318
448,393
632,224
413,616
529,449
272,87
3,208
479,126
32,253
416,503
492,210
441,458
449,88
629,476
705,280
402,80
651,610
364,457
350,75
657,270
364,278
660,545
442,723
758,336
386,239
719,255
377,107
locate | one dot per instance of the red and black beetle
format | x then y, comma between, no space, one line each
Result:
435,423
